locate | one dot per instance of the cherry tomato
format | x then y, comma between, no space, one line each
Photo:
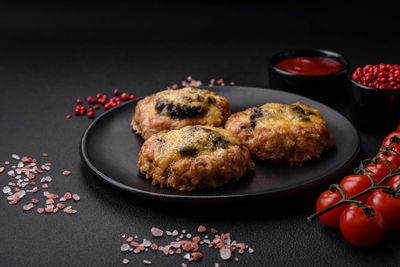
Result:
361,229
394,182
389,206
391,138
326,199
392,159
378,170
354,184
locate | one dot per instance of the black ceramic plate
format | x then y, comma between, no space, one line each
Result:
110,149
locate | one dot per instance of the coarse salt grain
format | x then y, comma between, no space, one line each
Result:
48,209
28,206
125,261
67,208
157,232
66,173
6,189
146,243
76,197
22,193
125,247
197,256
201,229
147,262
1,169
15,156
225,253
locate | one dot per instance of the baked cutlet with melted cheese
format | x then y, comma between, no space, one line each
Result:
174,109
294,133
194,157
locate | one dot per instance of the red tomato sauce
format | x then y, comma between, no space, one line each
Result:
309,65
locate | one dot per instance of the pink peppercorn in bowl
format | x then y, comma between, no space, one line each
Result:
375,97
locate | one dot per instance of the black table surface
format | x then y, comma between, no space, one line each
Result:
55,52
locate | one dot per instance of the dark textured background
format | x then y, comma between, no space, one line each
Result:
54,52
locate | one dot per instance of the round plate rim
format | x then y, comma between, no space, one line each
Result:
213,198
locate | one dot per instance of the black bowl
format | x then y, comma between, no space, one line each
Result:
329,88
374,110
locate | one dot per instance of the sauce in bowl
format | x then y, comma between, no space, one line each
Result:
309,65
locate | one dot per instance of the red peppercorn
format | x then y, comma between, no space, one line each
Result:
68,116
107,106
82,112
132,96
79,101
382,76
125,97
90,114
98,95
91,100
113,104
116,92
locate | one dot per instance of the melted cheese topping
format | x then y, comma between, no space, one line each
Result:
192,141
287,115
185,96
188,97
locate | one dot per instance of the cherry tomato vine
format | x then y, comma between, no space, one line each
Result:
367,203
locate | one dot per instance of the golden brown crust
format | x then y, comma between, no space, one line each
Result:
148,120
295,141
210,169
